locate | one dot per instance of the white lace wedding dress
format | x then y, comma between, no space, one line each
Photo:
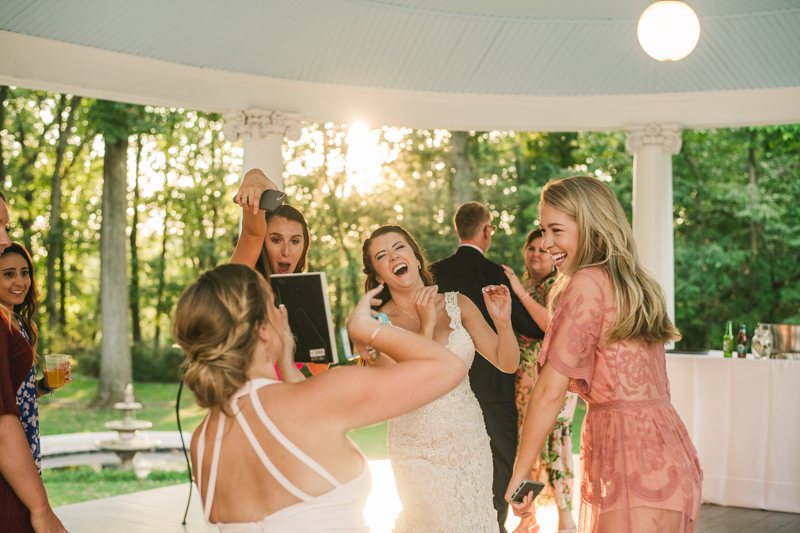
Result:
440,455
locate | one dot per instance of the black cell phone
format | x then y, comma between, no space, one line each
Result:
270,200
524,488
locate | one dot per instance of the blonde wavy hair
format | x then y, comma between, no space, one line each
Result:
605,239
216,322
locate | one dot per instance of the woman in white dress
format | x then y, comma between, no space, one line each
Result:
274,455
440,452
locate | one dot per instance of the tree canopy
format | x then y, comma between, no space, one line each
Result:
736,193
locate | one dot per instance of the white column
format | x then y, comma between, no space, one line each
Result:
262,133
652,147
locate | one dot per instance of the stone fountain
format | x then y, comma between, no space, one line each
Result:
130,443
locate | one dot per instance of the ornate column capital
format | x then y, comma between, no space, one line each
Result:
260,123
668,136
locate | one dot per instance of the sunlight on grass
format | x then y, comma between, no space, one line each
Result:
84,483
69,411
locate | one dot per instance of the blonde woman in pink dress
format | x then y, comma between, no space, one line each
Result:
640,471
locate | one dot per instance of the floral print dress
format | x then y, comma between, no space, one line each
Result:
555,462
29,408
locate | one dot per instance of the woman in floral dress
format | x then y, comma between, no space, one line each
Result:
554,466
18,293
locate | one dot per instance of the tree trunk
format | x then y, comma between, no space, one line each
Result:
212,239
137,331
62,283
62,266
4,92
461,185
161,282
751,163
55,236
338,308
115,351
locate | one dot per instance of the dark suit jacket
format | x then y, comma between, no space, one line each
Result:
468,271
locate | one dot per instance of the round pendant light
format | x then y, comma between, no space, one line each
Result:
668,30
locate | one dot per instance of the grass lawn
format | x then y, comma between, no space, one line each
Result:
83,483
69,412
577,423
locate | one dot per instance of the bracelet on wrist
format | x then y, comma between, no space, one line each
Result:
526,295
373,354
42,388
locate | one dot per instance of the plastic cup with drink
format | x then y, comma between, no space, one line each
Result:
56,367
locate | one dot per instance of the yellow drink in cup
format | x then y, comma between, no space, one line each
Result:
56,366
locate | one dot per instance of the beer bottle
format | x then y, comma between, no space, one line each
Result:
727,340
741,341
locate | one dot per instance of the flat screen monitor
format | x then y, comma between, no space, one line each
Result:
305,296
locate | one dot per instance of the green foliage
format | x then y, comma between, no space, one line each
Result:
150,365
737,249
117,121
737,244
186,222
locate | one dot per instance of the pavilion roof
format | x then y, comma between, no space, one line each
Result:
465,64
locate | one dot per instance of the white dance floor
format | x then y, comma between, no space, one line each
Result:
161,510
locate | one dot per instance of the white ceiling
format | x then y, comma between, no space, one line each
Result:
530,64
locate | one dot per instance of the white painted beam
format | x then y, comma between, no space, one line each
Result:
45,64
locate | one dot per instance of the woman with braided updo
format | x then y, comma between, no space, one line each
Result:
314,478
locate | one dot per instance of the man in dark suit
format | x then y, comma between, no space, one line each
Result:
468,271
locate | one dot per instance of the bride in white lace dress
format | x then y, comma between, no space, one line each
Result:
440,452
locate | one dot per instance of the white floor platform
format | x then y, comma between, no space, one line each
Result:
161,510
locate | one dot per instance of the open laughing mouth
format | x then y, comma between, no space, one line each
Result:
400,269
559,257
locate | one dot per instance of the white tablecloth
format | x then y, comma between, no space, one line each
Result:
744,418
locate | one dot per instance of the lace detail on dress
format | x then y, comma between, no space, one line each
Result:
640,471
629,404
655,495
441,457
459,342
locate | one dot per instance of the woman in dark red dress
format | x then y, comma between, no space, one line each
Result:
23,500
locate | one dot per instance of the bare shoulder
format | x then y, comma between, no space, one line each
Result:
196,439
467,306
463,300
592,278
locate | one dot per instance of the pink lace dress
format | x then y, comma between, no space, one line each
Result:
640,471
